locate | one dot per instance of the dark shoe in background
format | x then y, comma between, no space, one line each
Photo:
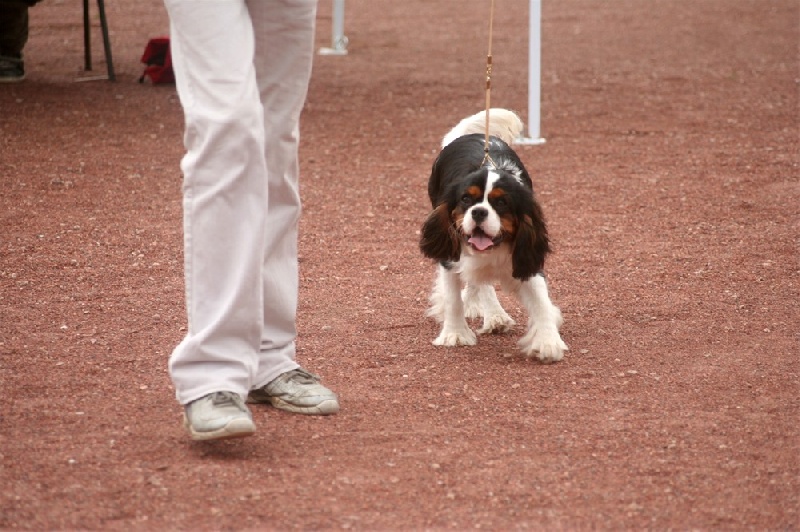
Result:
12,69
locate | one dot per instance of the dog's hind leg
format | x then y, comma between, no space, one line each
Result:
470,295
480,301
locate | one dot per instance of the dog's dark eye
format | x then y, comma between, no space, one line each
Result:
467,200
500,204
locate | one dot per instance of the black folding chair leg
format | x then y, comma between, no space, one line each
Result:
106,41
87,38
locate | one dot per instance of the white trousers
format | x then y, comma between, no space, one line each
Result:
242,70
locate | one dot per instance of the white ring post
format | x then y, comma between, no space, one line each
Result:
534,75
338,39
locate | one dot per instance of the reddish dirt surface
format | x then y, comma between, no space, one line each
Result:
670,182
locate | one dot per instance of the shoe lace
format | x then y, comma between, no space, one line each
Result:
227,399
302,376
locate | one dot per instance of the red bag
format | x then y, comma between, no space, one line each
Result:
159,61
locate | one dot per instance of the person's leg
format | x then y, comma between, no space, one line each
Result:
225,196
13,37
288,26
284,35
13,28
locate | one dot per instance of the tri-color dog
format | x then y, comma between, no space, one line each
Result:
486,227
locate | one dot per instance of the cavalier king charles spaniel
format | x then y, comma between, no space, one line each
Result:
486,227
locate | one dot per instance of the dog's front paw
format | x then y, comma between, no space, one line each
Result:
456,336
545,344
472,307
497,323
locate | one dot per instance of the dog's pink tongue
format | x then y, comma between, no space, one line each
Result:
481,242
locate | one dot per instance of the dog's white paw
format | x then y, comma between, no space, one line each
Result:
472,303
497,323
545,344
472,309
456,336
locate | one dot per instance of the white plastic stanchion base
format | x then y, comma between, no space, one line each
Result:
529,141
332,51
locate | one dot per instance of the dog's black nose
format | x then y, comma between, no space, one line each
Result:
479,214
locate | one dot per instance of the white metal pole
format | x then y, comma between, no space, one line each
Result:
338,39
534,74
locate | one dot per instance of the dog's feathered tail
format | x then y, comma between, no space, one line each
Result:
503,124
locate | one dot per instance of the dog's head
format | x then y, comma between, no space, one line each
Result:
488,210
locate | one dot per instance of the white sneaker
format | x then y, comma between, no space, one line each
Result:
297,391
217,416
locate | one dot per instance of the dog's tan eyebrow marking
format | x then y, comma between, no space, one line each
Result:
496,193
474,191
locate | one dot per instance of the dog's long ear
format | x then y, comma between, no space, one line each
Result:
439,238
531,246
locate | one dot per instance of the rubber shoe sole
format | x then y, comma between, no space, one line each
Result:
236,428
13,78
325,408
